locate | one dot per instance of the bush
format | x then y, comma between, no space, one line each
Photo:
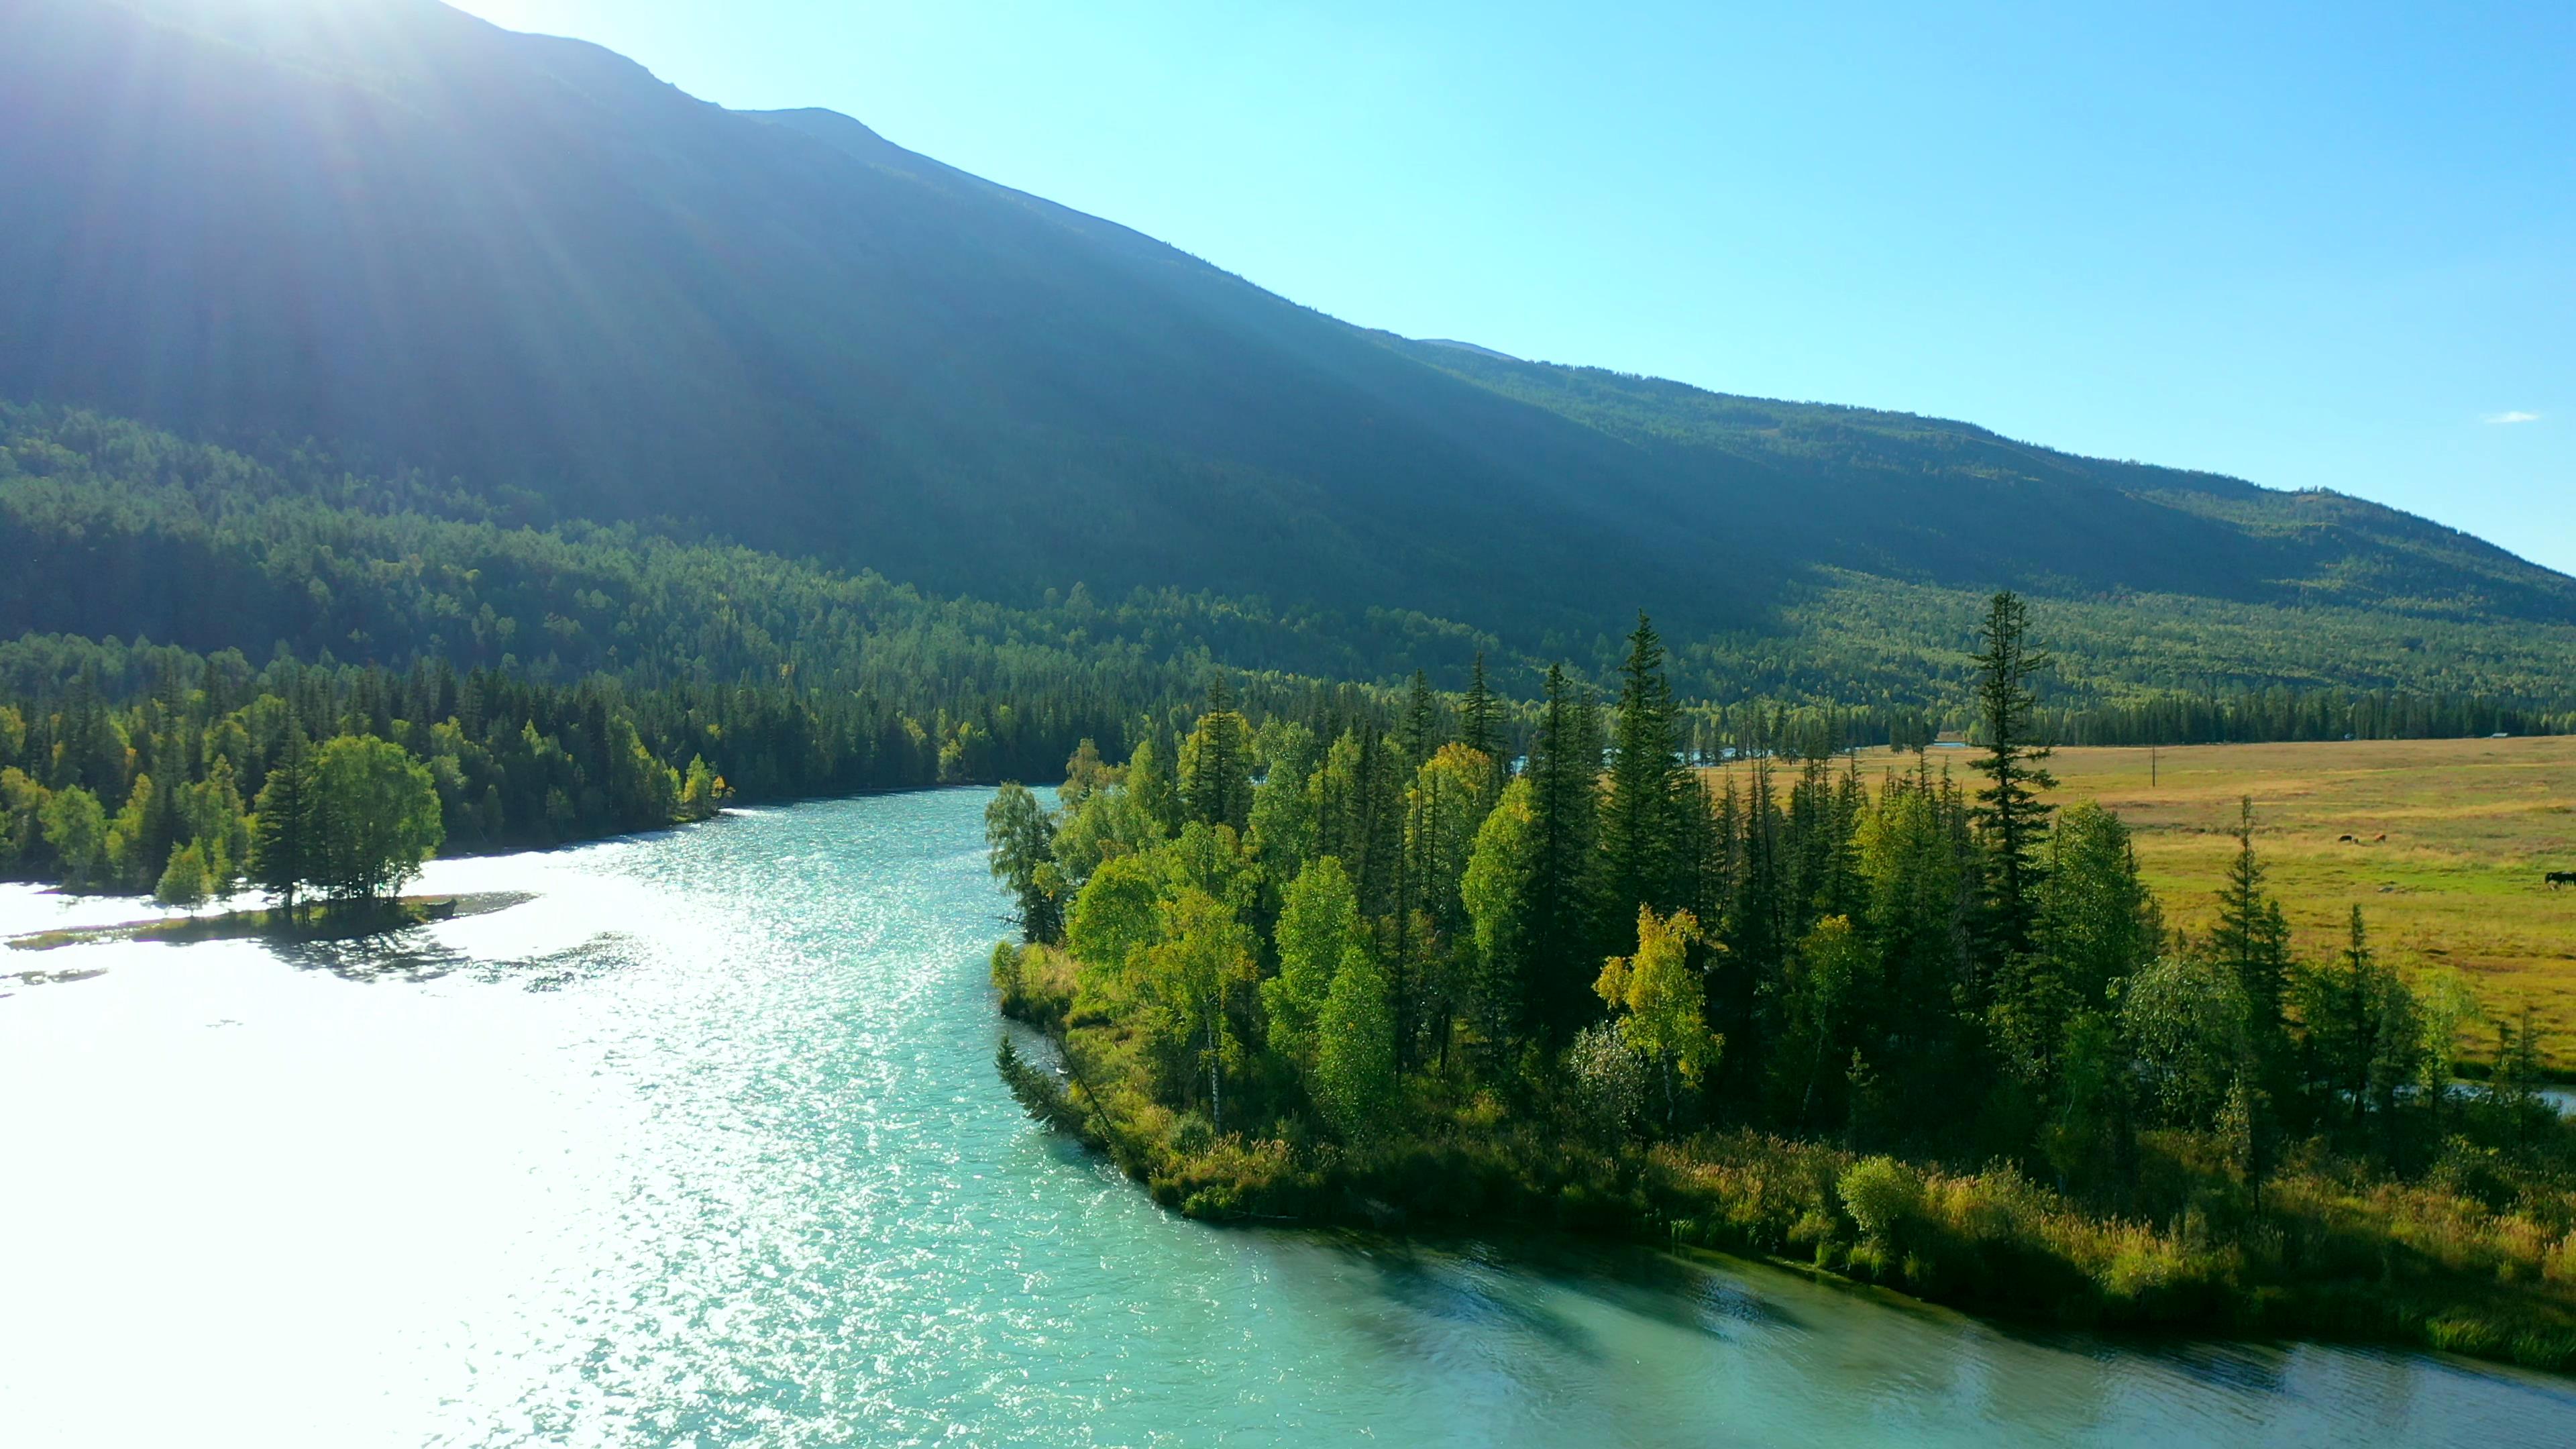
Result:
1609,1083
1880,1193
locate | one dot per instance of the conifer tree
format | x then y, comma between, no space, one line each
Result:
185,881
2364,1028
1216,765
283,845
1640,817
1476,715
2009,810
1379,868
2096,924
2251,941
1561,922
1336,796
1421,731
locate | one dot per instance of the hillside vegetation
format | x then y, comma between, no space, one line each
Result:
122,531
565,290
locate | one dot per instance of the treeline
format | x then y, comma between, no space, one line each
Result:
1715,733
1855,640
120,531
113,759
2266,715
1276,953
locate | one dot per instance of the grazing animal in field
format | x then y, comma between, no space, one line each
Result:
2344,840
2557,878
2379,840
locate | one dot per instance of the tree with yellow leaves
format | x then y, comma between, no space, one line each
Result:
1662,1003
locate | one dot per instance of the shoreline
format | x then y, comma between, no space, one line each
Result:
330,923
1994,1246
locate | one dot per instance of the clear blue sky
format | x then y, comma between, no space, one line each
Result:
2315,245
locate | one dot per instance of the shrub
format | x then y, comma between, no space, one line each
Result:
1880,1193
1609,1083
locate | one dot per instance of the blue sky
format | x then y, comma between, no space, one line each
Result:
2308,245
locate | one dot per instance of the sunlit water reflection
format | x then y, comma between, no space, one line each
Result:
703,1146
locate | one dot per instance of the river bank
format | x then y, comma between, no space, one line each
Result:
703,1145
330,921
2323,1250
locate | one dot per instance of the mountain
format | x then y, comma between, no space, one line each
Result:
525,264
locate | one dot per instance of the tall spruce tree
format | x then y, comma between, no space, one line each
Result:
1641,824
1562,925
1422,731
1216,764
284,843
1476,714
2009,812
2251,941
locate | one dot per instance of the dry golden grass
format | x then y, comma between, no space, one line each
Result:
2469,828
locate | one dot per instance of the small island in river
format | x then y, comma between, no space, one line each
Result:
328,922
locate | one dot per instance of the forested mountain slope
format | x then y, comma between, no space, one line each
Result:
114,530
525,265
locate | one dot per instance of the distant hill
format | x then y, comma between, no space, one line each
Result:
525,264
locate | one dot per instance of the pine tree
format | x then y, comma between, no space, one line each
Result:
1476,721
185,881
2251,941
2096,924
1561,923
1216,765
1421,732
283,845
2009,811
1640,818
1758,936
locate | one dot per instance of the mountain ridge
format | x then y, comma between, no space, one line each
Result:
525,262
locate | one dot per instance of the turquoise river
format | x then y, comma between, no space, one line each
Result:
702,1145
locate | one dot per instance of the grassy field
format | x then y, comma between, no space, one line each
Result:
2449,840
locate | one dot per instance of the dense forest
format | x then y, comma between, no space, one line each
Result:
114,761
1910,1023
562,679
120,531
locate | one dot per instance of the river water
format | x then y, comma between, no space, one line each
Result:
704,1146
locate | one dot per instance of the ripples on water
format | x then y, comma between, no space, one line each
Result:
703,1146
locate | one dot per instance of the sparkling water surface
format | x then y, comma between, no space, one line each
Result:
703,1146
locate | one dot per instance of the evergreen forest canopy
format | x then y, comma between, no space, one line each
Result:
578,679
1924,1029
565,292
